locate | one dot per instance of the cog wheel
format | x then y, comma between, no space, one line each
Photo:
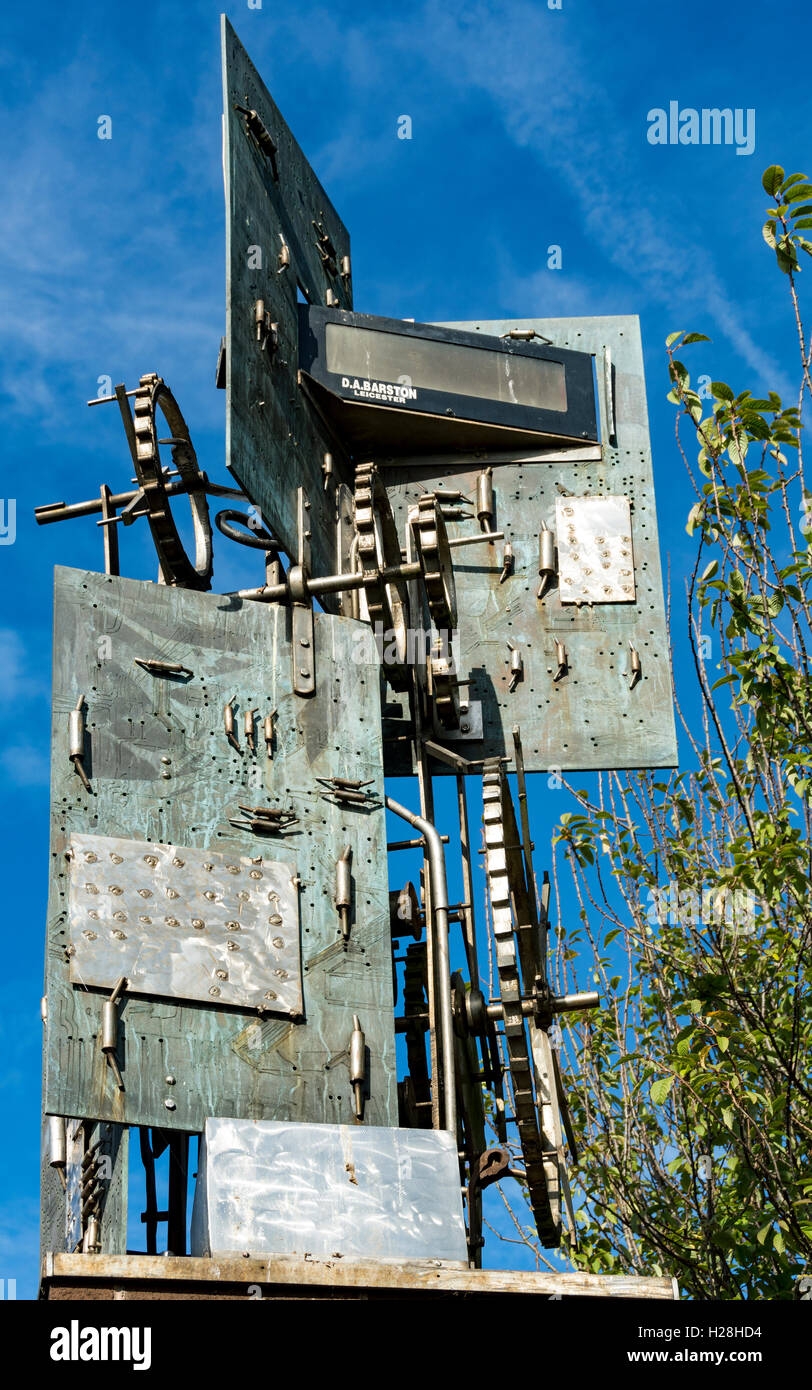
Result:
378,550
535,1092
434,552
176,568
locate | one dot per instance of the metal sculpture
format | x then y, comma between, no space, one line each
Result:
225,948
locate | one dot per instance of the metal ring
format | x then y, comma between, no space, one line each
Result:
259,539
176,568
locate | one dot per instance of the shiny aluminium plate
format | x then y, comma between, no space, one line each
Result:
595,558
184,923
350,1191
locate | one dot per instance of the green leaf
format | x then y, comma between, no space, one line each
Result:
660,1089
801,190
672,337
696,338
772,179
768,233
709,571
721,391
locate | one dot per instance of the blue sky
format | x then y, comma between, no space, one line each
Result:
528,129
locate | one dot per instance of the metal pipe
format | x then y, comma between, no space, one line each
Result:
439,899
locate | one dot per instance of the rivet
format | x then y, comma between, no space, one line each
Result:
303,671
232,946
278,942
166,775
198,923
170,1104
117,858
303,642
214,990
91,858
172,921
281,974
255,873
120,935
166,760
170,1080
172,893
151,860
269,994
179,863
91,935
114,889
275,920
232,926
145,892
221,974
146,920
208,894
233,868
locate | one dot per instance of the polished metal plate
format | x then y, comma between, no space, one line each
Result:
595,557
184,923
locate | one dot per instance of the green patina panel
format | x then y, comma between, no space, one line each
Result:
590,717
161,769
275,440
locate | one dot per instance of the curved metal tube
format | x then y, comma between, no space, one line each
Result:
439,902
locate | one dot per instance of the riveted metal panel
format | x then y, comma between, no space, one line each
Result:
184,923
275,439
593,715
162,771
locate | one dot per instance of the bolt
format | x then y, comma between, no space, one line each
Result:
464,728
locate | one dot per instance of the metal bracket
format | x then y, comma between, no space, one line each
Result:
470,729
303,633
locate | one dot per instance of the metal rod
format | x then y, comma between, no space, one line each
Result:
412,844
477,539
467,905
439,888
67,511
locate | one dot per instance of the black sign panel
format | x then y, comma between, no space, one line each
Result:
459,389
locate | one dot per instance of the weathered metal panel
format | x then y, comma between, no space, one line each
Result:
355,1191
590,717
275,440
184,923
161,770
60,1205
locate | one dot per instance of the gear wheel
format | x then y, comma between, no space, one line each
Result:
431,539
378,550
536,1094
176,568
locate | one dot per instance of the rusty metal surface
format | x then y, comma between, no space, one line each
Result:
275,439
185,923
162,770
590,717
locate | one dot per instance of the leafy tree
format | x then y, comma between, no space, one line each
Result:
692,1087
